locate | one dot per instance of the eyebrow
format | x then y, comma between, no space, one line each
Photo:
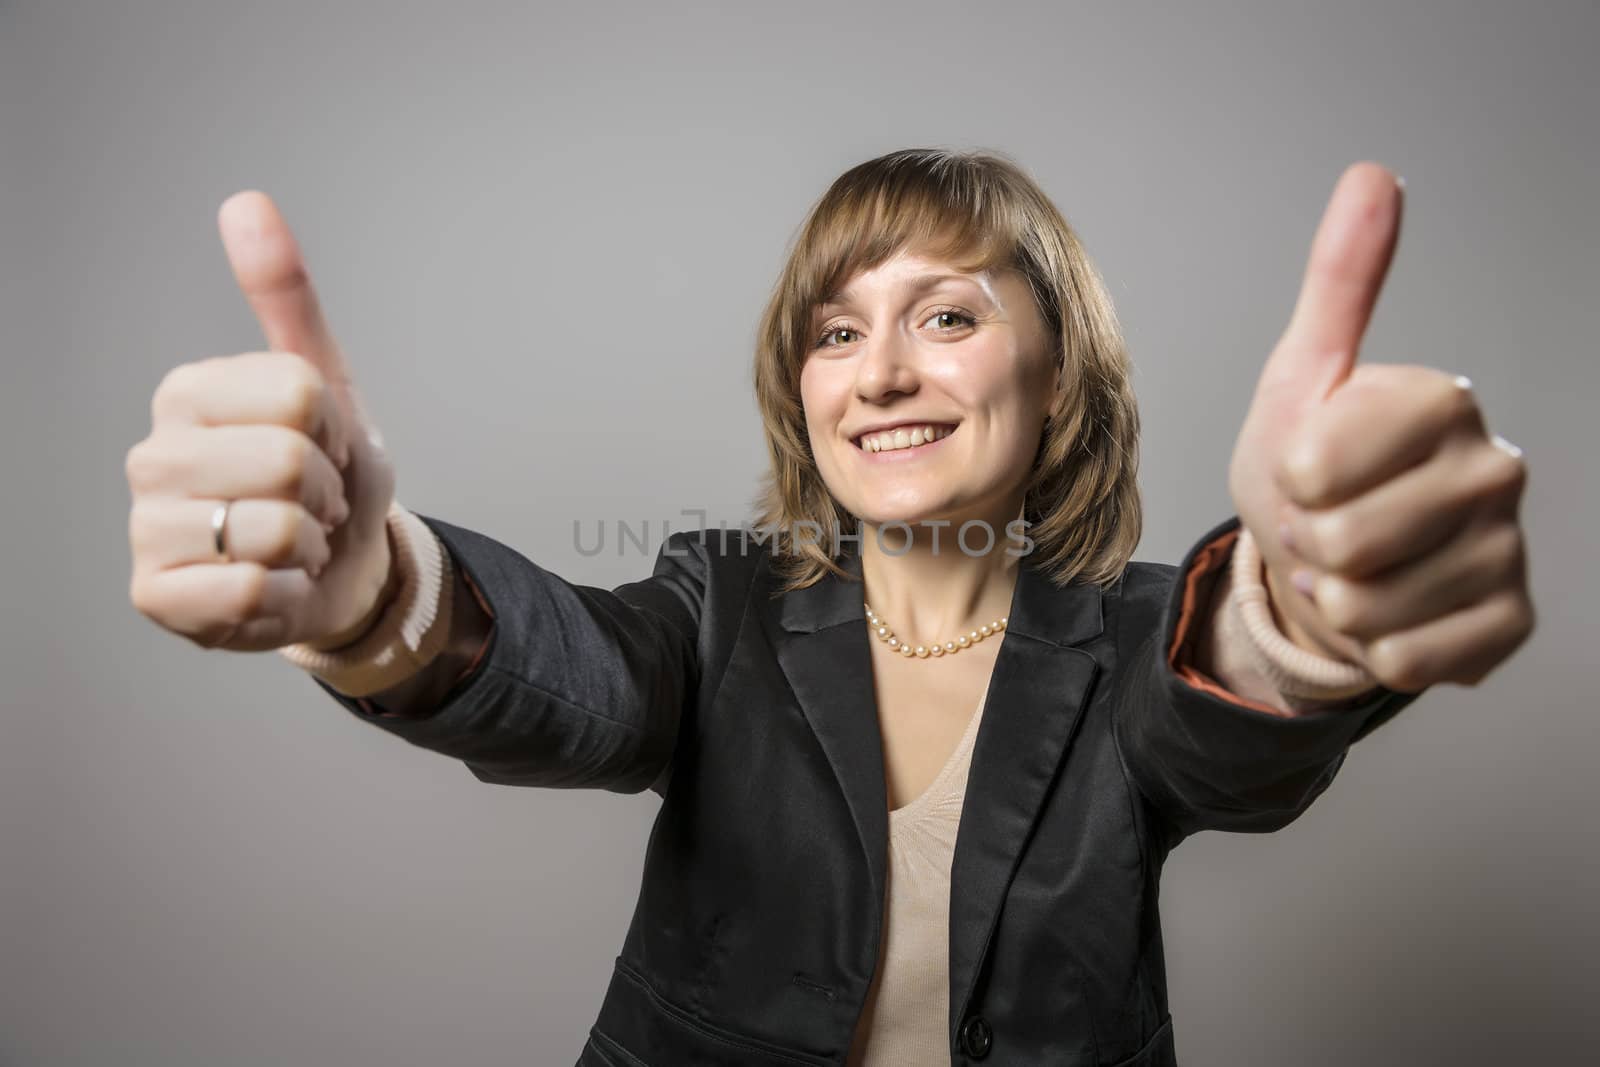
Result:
919,284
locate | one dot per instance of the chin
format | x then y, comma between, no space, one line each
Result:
877,513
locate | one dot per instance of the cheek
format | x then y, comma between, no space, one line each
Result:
822,395
992,386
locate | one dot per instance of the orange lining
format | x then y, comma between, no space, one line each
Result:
1208,562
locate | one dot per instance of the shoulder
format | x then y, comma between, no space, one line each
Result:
721,555
1155,597
1143,581
1137,600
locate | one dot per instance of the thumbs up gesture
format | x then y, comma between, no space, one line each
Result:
1385,512
280,437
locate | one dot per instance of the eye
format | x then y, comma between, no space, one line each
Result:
953,313
962,320
823,341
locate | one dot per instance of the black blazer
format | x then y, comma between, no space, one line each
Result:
758,925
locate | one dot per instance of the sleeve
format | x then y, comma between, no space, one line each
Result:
1202,757
577,686
1267,652
366,705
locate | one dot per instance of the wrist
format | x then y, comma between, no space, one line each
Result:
384,599
410,633
1285,623
1298,668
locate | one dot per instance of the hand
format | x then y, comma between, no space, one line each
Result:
282,434
1400,510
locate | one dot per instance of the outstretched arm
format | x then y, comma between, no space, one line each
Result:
573,686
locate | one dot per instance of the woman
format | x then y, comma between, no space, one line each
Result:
923,743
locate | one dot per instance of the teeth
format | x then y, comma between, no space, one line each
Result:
892,440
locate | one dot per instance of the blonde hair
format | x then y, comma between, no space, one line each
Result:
979,211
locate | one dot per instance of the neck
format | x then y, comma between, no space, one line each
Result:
930,594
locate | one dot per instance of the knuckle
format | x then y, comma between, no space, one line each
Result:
1334,536
1397,664
133,465
1507,475
286,536
146,464
1453,403
174,385
1305,471
250,597
1341,605
140,524
304,401
1506,548
1518,618
291,463
1527,621
139,595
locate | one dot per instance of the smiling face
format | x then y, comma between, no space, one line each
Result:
914,344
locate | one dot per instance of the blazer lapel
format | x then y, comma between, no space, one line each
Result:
822,647
1034,703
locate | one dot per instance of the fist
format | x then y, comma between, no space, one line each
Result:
280,435
1385,512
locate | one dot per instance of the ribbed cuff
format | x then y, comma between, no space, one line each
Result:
1294,671
412,630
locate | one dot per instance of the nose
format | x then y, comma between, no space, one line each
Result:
886,369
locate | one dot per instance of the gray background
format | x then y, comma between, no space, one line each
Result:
544,236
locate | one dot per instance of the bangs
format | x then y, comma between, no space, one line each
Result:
862,237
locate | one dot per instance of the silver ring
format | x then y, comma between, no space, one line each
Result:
219,526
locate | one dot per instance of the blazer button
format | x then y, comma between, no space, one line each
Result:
976,1037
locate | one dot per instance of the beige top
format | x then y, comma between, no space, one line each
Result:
903,1023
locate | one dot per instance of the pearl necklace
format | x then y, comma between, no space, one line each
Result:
966,640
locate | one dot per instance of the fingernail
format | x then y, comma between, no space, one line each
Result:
1400,181
1305,582
1502,443
1463,382
1286,535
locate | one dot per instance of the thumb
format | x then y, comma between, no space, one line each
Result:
1349,259
272,275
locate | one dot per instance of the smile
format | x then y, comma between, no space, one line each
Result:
904,438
